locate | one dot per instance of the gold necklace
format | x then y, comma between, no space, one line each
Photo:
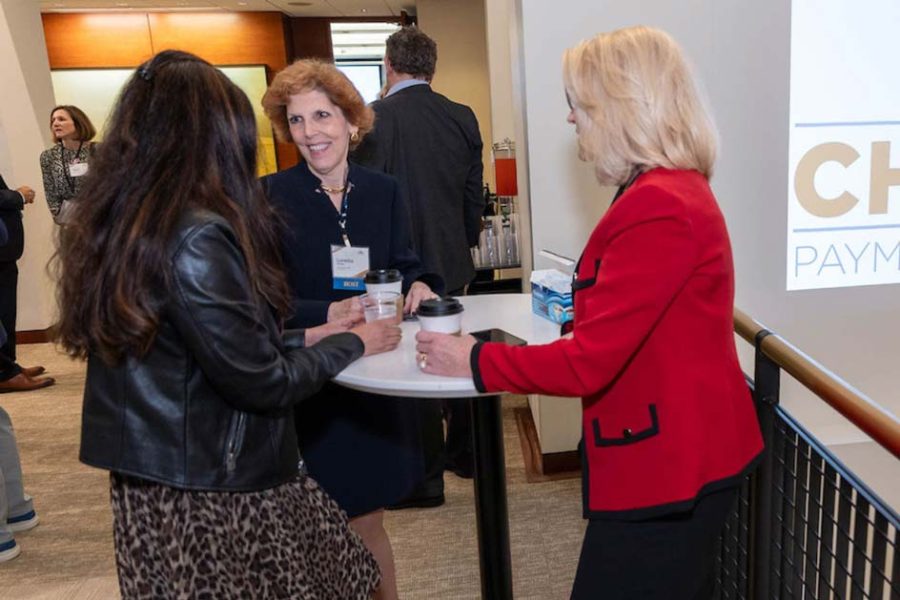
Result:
333,190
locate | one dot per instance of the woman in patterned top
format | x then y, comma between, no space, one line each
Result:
66,163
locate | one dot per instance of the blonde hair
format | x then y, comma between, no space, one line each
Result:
311,74
642,105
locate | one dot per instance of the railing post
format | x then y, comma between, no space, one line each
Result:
766,388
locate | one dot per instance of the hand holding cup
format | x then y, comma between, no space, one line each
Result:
350,308
378,336
444,354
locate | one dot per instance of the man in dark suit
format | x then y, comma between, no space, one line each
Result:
432,145
13,377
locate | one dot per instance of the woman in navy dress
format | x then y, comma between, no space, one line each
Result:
365,450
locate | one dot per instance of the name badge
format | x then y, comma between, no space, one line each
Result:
78,169
348,267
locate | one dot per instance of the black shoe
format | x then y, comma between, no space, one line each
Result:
418,502
463,467
463,472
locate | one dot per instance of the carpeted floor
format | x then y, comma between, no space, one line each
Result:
69,555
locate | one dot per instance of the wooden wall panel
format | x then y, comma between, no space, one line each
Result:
311,38
223,38
85,40
98,40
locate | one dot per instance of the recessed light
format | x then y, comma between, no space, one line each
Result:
363,10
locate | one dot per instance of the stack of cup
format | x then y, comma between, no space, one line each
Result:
443,315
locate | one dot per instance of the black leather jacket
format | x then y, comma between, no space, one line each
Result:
209,406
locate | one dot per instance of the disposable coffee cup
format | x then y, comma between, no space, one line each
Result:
443,315
382,305
384,280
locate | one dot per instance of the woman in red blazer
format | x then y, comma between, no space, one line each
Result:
669,428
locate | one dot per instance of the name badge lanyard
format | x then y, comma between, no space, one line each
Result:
342,217
70,181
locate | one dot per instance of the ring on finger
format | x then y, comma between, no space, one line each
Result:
423,360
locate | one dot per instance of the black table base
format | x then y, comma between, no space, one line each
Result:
490,499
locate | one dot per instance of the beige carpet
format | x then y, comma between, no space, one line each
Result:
69,555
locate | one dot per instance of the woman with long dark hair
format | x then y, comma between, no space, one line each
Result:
171,287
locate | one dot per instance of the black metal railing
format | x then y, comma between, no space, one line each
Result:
804,526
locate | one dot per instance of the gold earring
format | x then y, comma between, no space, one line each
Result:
354,137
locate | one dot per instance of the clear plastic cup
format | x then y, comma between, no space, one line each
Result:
382,305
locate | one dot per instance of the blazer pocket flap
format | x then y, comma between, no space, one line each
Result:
627,435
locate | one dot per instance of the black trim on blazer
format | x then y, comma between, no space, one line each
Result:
580,284
661,510
628,437
476,371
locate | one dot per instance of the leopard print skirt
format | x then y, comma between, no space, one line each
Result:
291,541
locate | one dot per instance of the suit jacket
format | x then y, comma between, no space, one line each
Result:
667,414
11,205
433,147
376,219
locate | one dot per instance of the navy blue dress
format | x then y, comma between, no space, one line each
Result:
364,450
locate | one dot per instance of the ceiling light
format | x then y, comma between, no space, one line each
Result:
363,10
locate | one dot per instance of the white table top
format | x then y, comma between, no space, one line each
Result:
396,373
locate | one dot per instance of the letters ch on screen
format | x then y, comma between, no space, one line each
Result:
881,178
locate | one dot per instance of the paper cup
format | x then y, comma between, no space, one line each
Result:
442,315
384,280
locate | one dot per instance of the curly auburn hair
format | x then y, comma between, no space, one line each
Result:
312,74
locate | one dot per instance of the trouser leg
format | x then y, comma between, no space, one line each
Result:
433,448
8,368
17,503
9,278
459,435
5,534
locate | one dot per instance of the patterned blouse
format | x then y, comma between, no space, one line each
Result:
59,184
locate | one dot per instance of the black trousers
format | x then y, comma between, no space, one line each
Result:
667,558
438,453
9,281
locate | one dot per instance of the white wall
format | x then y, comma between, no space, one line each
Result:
741,53
458,28
25,107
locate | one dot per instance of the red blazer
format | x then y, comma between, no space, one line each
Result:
667,414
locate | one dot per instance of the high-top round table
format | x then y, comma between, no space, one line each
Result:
396,373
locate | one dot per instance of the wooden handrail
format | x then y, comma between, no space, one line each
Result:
880,425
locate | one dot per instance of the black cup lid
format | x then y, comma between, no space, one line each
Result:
439,307
383,276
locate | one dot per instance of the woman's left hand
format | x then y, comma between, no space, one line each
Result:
444,354
418,291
